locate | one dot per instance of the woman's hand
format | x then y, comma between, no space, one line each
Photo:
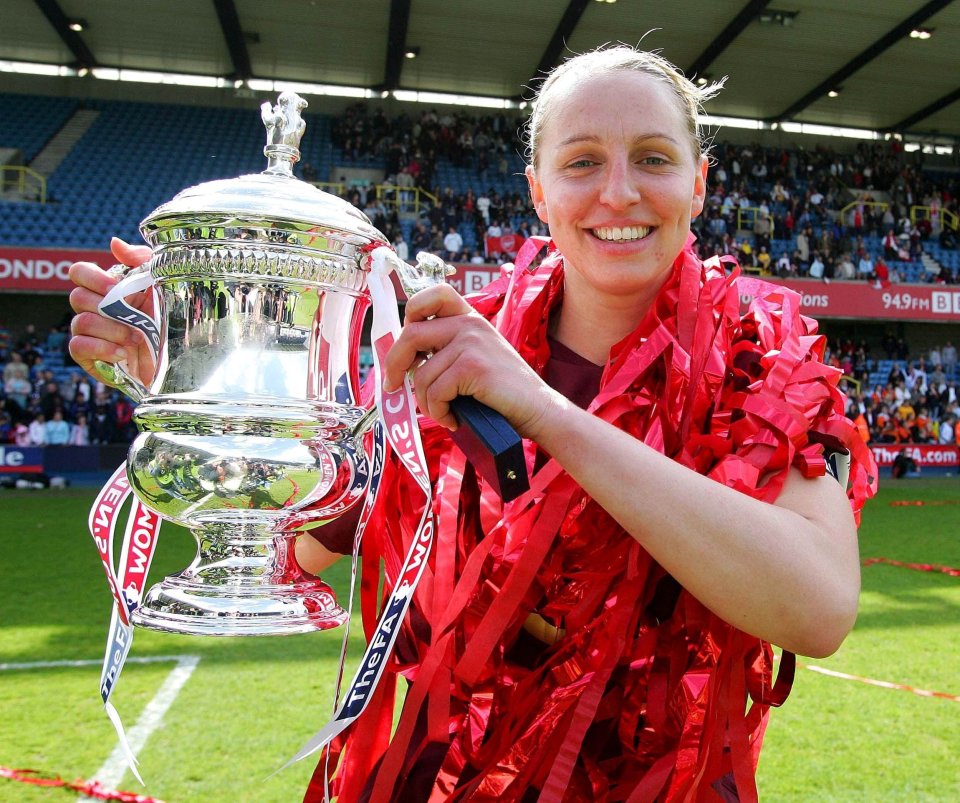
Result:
95,337
453,351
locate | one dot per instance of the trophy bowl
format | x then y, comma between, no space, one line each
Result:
252,430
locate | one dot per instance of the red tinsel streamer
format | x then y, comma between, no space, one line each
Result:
920,567
93,789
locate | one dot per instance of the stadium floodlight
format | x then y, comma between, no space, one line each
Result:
36,68
443,98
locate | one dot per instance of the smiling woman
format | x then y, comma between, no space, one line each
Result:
607,635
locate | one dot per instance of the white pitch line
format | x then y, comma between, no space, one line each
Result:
113,769
115,766
151,659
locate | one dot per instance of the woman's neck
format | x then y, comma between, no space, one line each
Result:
591,329
591,323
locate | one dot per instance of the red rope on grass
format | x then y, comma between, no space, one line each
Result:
923,503
884,684
92,789
920,567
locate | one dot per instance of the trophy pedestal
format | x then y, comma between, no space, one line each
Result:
242,583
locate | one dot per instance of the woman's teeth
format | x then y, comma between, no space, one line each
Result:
625,234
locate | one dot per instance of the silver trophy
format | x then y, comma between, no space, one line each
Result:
252,430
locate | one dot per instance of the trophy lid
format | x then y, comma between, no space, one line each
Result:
273,206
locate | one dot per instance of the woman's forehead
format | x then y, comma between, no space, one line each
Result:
592,101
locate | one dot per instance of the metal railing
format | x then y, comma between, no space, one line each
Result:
411,200
25,181
747,216
948,220
882,205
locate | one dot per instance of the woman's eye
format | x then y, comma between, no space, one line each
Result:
582,163
654,160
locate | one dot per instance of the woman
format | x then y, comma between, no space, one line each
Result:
607,635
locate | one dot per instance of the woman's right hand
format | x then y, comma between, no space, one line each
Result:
95,337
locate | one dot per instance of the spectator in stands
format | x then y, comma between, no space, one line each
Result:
904,465
18,389
102,420
949,358
420,239
58,430
846,268
865,266
400,246
16,368
816,266
947,434
452,245
436,241
763,260
38,431
803,248
21,434
891,247
80,432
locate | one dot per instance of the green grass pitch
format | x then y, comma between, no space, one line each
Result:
250,703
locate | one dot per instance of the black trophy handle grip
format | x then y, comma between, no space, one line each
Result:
492,445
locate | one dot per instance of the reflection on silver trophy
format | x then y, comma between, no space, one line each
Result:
252,429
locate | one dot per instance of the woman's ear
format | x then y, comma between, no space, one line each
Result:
536,194
699,188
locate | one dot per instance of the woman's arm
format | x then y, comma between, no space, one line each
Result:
788,572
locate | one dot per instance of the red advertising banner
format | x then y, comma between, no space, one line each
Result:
926,454
507,244
864,301
44,270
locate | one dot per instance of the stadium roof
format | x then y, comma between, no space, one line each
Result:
782,58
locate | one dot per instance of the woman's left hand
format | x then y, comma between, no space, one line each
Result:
453,351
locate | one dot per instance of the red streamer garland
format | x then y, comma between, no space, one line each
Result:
631,704
92,789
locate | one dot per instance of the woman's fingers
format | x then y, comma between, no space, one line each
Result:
91,277
437,382
440,301
95,337
130,255
417,340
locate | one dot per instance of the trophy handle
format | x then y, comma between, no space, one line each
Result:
488,440
117,375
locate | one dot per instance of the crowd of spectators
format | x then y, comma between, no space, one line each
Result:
917,401
411,147
43,407
786,201
796,197
777,196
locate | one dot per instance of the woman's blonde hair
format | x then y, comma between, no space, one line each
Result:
622,58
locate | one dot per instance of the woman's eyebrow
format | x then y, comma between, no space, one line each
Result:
575,139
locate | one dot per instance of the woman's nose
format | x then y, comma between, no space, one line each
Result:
621,188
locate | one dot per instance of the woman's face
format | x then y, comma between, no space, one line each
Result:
617,181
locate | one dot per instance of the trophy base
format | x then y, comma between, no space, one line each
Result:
196,609
244,581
